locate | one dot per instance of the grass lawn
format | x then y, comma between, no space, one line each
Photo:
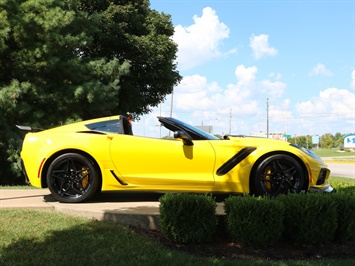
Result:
18,187
30,237
333,153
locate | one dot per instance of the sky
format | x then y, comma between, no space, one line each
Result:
248,66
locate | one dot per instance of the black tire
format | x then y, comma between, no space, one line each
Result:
278,174
72,178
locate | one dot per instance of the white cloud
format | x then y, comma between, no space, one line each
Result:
341,102
201,41
320,70
330,102
194,93
260,46
279,116
245,75
233,108
240,107
353,80
332,109
275,88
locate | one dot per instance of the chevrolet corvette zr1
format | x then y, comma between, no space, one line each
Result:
77,160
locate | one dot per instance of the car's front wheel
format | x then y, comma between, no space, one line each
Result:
278,174
72,178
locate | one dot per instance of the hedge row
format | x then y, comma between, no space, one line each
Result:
311,218
188,218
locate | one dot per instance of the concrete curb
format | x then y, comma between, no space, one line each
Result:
134,209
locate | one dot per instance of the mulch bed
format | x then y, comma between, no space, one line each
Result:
221,247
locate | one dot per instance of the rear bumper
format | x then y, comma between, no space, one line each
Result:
27,180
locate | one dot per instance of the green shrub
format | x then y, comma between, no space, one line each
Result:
345,215
344,187
188,218
254,221
309,218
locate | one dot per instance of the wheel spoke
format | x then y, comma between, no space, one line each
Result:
279,177
71,179
59,175
277,166
278,174
63,189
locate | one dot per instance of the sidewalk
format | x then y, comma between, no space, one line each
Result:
136,209
24,198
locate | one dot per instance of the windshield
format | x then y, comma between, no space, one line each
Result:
199,131
194,132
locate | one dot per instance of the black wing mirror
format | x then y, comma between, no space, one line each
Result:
184,136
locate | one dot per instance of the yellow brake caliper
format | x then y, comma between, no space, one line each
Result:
267,182
85,174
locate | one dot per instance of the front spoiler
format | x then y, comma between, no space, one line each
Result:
329,189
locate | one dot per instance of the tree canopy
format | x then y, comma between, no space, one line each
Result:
65,60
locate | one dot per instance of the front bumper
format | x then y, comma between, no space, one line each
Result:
321,182
327,189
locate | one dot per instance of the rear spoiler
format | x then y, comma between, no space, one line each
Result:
29,129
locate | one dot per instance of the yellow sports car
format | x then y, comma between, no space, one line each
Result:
77,160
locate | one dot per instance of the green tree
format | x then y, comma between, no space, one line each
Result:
327,141
302,141
338,140
77,59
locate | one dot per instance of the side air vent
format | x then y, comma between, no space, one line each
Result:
232,162
117,178
322,176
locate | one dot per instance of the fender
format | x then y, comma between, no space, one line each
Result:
232,162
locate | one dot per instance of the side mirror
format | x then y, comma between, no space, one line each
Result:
186,139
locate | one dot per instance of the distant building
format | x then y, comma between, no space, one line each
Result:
275,135
349,142
208,129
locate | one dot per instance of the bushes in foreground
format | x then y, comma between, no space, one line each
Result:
345,229
253,221
188,218
311,218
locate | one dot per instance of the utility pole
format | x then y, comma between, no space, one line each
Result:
267,117
230,120
171,103
171,107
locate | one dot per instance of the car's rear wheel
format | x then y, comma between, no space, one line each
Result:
72,178
278,174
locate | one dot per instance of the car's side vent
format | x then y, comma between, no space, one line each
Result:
91,132
117,178
321,177
232,162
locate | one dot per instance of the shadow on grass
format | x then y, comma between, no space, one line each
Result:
89,243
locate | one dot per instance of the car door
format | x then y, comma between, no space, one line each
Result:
150,161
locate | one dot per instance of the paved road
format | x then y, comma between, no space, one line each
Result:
342,169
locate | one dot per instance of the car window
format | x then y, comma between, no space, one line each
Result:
112,126
195,133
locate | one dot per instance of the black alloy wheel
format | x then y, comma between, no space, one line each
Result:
72,178
278,174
